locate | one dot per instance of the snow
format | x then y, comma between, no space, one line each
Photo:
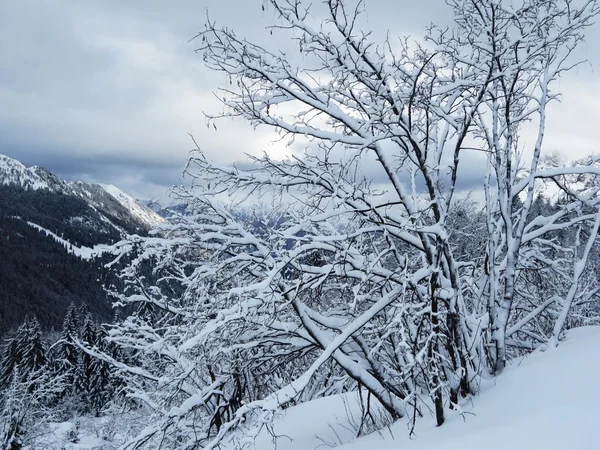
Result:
81,433
70,432
13,172
545,401
548,401
141,212
82,252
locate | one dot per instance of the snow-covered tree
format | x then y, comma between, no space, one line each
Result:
29,389
344,282
93,377
33,356
8,360
13,412
26,350
70,332
26,406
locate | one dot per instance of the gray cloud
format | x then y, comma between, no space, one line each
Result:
108,91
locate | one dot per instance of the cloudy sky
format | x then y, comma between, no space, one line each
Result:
108,90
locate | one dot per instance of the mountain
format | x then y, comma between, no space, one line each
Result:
53,235
137,209
15,173
168,211
112,202
108,200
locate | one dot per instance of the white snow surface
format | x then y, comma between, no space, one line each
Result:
141,212
82,252
547,401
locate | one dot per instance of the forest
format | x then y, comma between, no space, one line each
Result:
39,277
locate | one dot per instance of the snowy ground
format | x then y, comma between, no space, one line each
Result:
547,401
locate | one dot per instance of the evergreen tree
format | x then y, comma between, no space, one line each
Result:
25,350
70,332
83,312
99,376
33,349
88,335
7,361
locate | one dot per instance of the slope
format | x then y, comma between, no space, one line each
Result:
38,277
135,208
546,401
48,227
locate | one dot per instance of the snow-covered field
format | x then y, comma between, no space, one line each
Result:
546,401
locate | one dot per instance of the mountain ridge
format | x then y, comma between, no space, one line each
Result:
54,236
15,173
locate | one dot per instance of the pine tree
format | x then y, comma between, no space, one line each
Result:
33,350
101,380
70,332
88,335
8,360
93,377
25,350
83,312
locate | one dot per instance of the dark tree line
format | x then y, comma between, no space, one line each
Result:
40,278
38,275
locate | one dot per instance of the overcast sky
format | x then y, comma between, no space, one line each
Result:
108,90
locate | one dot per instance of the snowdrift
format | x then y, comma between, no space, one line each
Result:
548,400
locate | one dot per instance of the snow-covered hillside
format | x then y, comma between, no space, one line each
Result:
13,172
141,212
547,401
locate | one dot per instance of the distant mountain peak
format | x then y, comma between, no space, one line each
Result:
13,172
103,197
140,211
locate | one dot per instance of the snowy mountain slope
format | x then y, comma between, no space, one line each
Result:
116,203
108,200
12,172
138,210
547,401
